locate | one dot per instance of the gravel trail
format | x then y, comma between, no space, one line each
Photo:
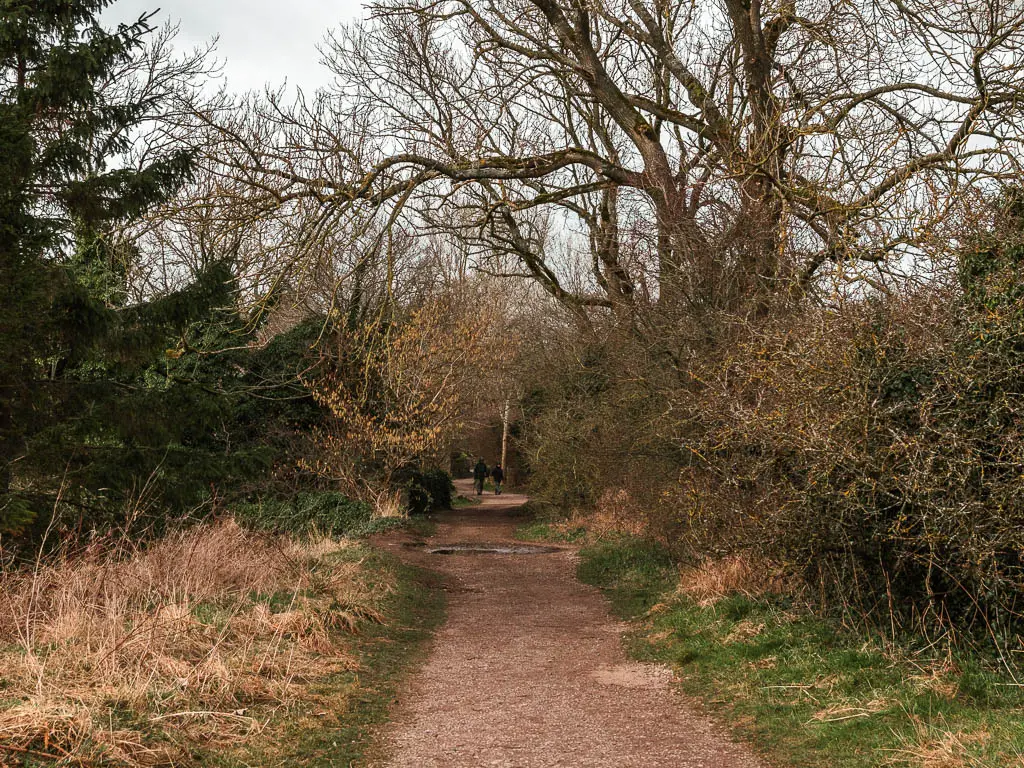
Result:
529,671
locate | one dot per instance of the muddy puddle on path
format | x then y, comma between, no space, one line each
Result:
485,549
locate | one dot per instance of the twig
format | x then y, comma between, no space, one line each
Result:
794,685
840,718
27,751
201,713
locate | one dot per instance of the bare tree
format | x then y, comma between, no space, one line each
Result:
706,155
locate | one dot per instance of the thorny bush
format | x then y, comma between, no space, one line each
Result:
877,451
874,448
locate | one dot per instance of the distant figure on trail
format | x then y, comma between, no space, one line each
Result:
497,475
479,475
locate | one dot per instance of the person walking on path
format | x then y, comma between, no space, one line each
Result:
479,475
497,474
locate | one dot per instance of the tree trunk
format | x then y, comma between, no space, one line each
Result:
504,433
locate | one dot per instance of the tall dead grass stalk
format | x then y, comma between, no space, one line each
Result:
191,635
714,580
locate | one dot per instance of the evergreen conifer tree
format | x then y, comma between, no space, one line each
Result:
59,189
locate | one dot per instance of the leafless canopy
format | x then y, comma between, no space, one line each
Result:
696,155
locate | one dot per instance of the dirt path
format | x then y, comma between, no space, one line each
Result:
529,671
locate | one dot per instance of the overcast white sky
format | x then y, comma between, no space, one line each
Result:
261,41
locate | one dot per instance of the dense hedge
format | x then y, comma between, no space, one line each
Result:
333,513
876,448
879,454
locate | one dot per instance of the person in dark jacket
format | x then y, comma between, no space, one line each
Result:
480,473
497,474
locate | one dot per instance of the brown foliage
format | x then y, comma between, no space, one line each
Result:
395,390
872,448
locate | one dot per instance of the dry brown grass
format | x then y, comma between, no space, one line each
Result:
389,504
839,712
743,631
940,678
715,580
934,747
199,637
616,512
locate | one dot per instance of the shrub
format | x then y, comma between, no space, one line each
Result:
429,490
591,425
873,448
877,452
461,464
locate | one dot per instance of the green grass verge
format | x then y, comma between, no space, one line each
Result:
321,736
806,693
423,526
541,531
548,523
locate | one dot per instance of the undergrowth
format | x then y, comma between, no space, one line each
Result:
336,724
204,648
802,689
326,512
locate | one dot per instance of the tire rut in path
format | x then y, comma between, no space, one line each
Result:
529,672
